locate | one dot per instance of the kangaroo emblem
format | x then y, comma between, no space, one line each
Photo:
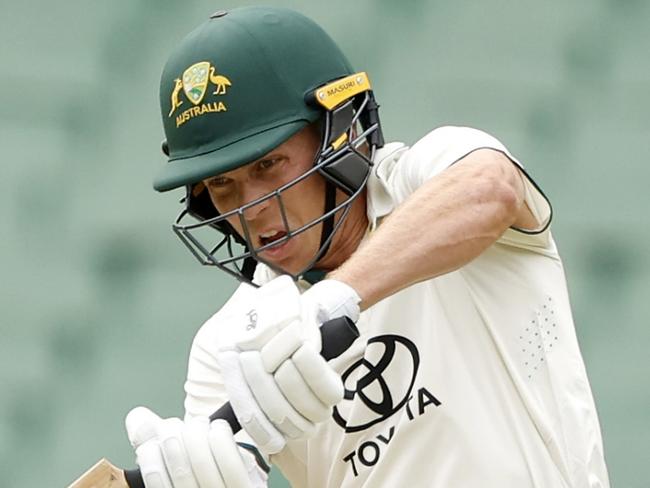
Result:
220,81
175,100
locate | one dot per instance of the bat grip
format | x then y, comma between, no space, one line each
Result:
225,412
336,336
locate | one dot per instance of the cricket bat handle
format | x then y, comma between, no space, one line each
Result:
336,335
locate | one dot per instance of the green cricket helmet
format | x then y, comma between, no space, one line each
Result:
238,86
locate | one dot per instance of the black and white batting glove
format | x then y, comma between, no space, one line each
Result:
196,453
278,384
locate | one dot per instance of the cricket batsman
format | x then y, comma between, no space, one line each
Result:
467,372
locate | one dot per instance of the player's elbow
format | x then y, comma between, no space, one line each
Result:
508,201
499,187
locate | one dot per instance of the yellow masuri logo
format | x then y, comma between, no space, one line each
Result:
194,84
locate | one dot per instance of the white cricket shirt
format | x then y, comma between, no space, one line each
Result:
471,379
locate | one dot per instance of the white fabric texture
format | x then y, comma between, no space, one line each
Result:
471,379
191,454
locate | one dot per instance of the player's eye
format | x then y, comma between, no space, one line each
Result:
218,182
266,164
219,186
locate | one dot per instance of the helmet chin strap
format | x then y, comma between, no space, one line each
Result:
312,275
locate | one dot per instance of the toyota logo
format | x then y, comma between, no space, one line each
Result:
379,383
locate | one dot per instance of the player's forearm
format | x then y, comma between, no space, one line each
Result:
445,224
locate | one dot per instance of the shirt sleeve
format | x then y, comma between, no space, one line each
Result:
400,172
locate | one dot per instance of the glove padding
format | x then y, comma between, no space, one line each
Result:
192,454
278,384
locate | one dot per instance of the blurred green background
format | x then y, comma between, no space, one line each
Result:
99,302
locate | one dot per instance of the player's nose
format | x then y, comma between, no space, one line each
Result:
253,209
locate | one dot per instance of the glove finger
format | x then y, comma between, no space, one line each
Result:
171,443
281,347
276,407
197,445
226,453
298,393
248,412
141,425
257,477
152,465
318,375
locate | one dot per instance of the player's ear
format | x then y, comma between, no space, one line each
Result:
199,203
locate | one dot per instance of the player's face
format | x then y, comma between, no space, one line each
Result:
303,202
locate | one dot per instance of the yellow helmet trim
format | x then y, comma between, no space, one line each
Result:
332,94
